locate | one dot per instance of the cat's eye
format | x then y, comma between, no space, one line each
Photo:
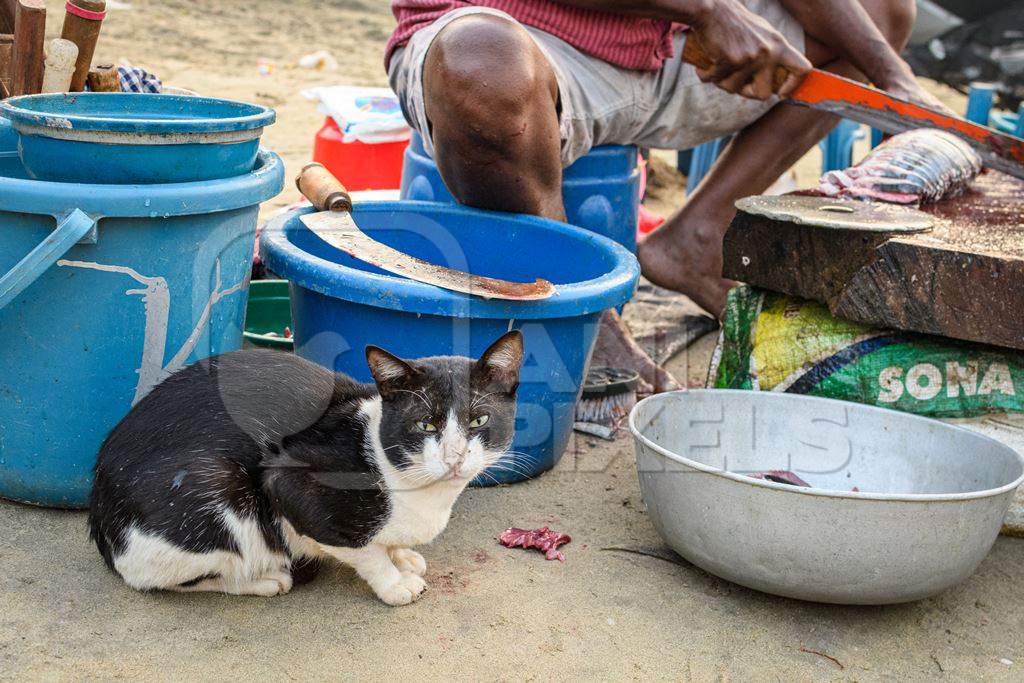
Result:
425,426
479,422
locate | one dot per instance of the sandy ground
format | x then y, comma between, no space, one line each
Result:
622,606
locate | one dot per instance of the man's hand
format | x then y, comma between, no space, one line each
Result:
746,52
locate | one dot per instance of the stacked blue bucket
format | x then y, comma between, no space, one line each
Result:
340,304
127,226
601,191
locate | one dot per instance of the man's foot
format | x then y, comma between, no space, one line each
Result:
678,259
616,348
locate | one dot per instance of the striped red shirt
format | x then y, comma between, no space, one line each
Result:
629,42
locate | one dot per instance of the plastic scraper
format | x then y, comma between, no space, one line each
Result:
333,224
862,103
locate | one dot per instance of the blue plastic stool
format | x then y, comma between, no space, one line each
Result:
601,190
683,159
979,102
701,161
1008,122
837,147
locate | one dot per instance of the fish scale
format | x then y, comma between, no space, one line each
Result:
915,167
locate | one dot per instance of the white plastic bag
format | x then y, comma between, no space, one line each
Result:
369,115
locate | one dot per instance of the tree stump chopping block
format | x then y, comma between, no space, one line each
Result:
963,279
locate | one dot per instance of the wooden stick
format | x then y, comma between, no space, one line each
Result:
322,189
104,78
6,55
83,31
60,65
29,34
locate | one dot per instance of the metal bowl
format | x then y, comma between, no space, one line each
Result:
901,507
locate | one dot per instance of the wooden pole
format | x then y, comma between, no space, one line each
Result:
29,34
6,55
82,27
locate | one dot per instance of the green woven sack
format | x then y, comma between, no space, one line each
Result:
774,342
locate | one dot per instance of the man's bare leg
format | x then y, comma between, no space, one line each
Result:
686,253
492,101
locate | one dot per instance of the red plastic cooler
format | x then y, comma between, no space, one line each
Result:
358,165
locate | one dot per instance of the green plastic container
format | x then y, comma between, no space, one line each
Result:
268,314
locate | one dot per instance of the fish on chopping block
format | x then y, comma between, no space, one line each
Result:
914,168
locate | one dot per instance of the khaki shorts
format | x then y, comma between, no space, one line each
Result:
604,104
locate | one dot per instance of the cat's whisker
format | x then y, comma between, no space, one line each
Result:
485,473
415,474
509,466
476,400
503,468
420,394
509,457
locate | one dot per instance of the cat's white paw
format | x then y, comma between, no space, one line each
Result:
408,560
407,589
283,579
266,587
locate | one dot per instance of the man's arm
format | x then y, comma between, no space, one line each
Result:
846,27
745,49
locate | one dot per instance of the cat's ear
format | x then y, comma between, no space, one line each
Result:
389,371
501,362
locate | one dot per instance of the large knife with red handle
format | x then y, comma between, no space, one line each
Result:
862,103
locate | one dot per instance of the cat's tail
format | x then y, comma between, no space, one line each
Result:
96,518
305,569
100,539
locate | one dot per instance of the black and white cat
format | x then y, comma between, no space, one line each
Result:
239,473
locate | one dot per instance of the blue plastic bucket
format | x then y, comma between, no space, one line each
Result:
122,138
340,304
601,191
104,290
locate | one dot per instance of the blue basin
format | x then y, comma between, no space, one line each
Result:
117,138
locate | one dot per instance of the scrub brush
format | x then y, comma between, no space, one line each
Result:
608,396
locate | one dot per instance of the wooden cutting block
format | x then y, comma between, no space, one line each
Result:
963,278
